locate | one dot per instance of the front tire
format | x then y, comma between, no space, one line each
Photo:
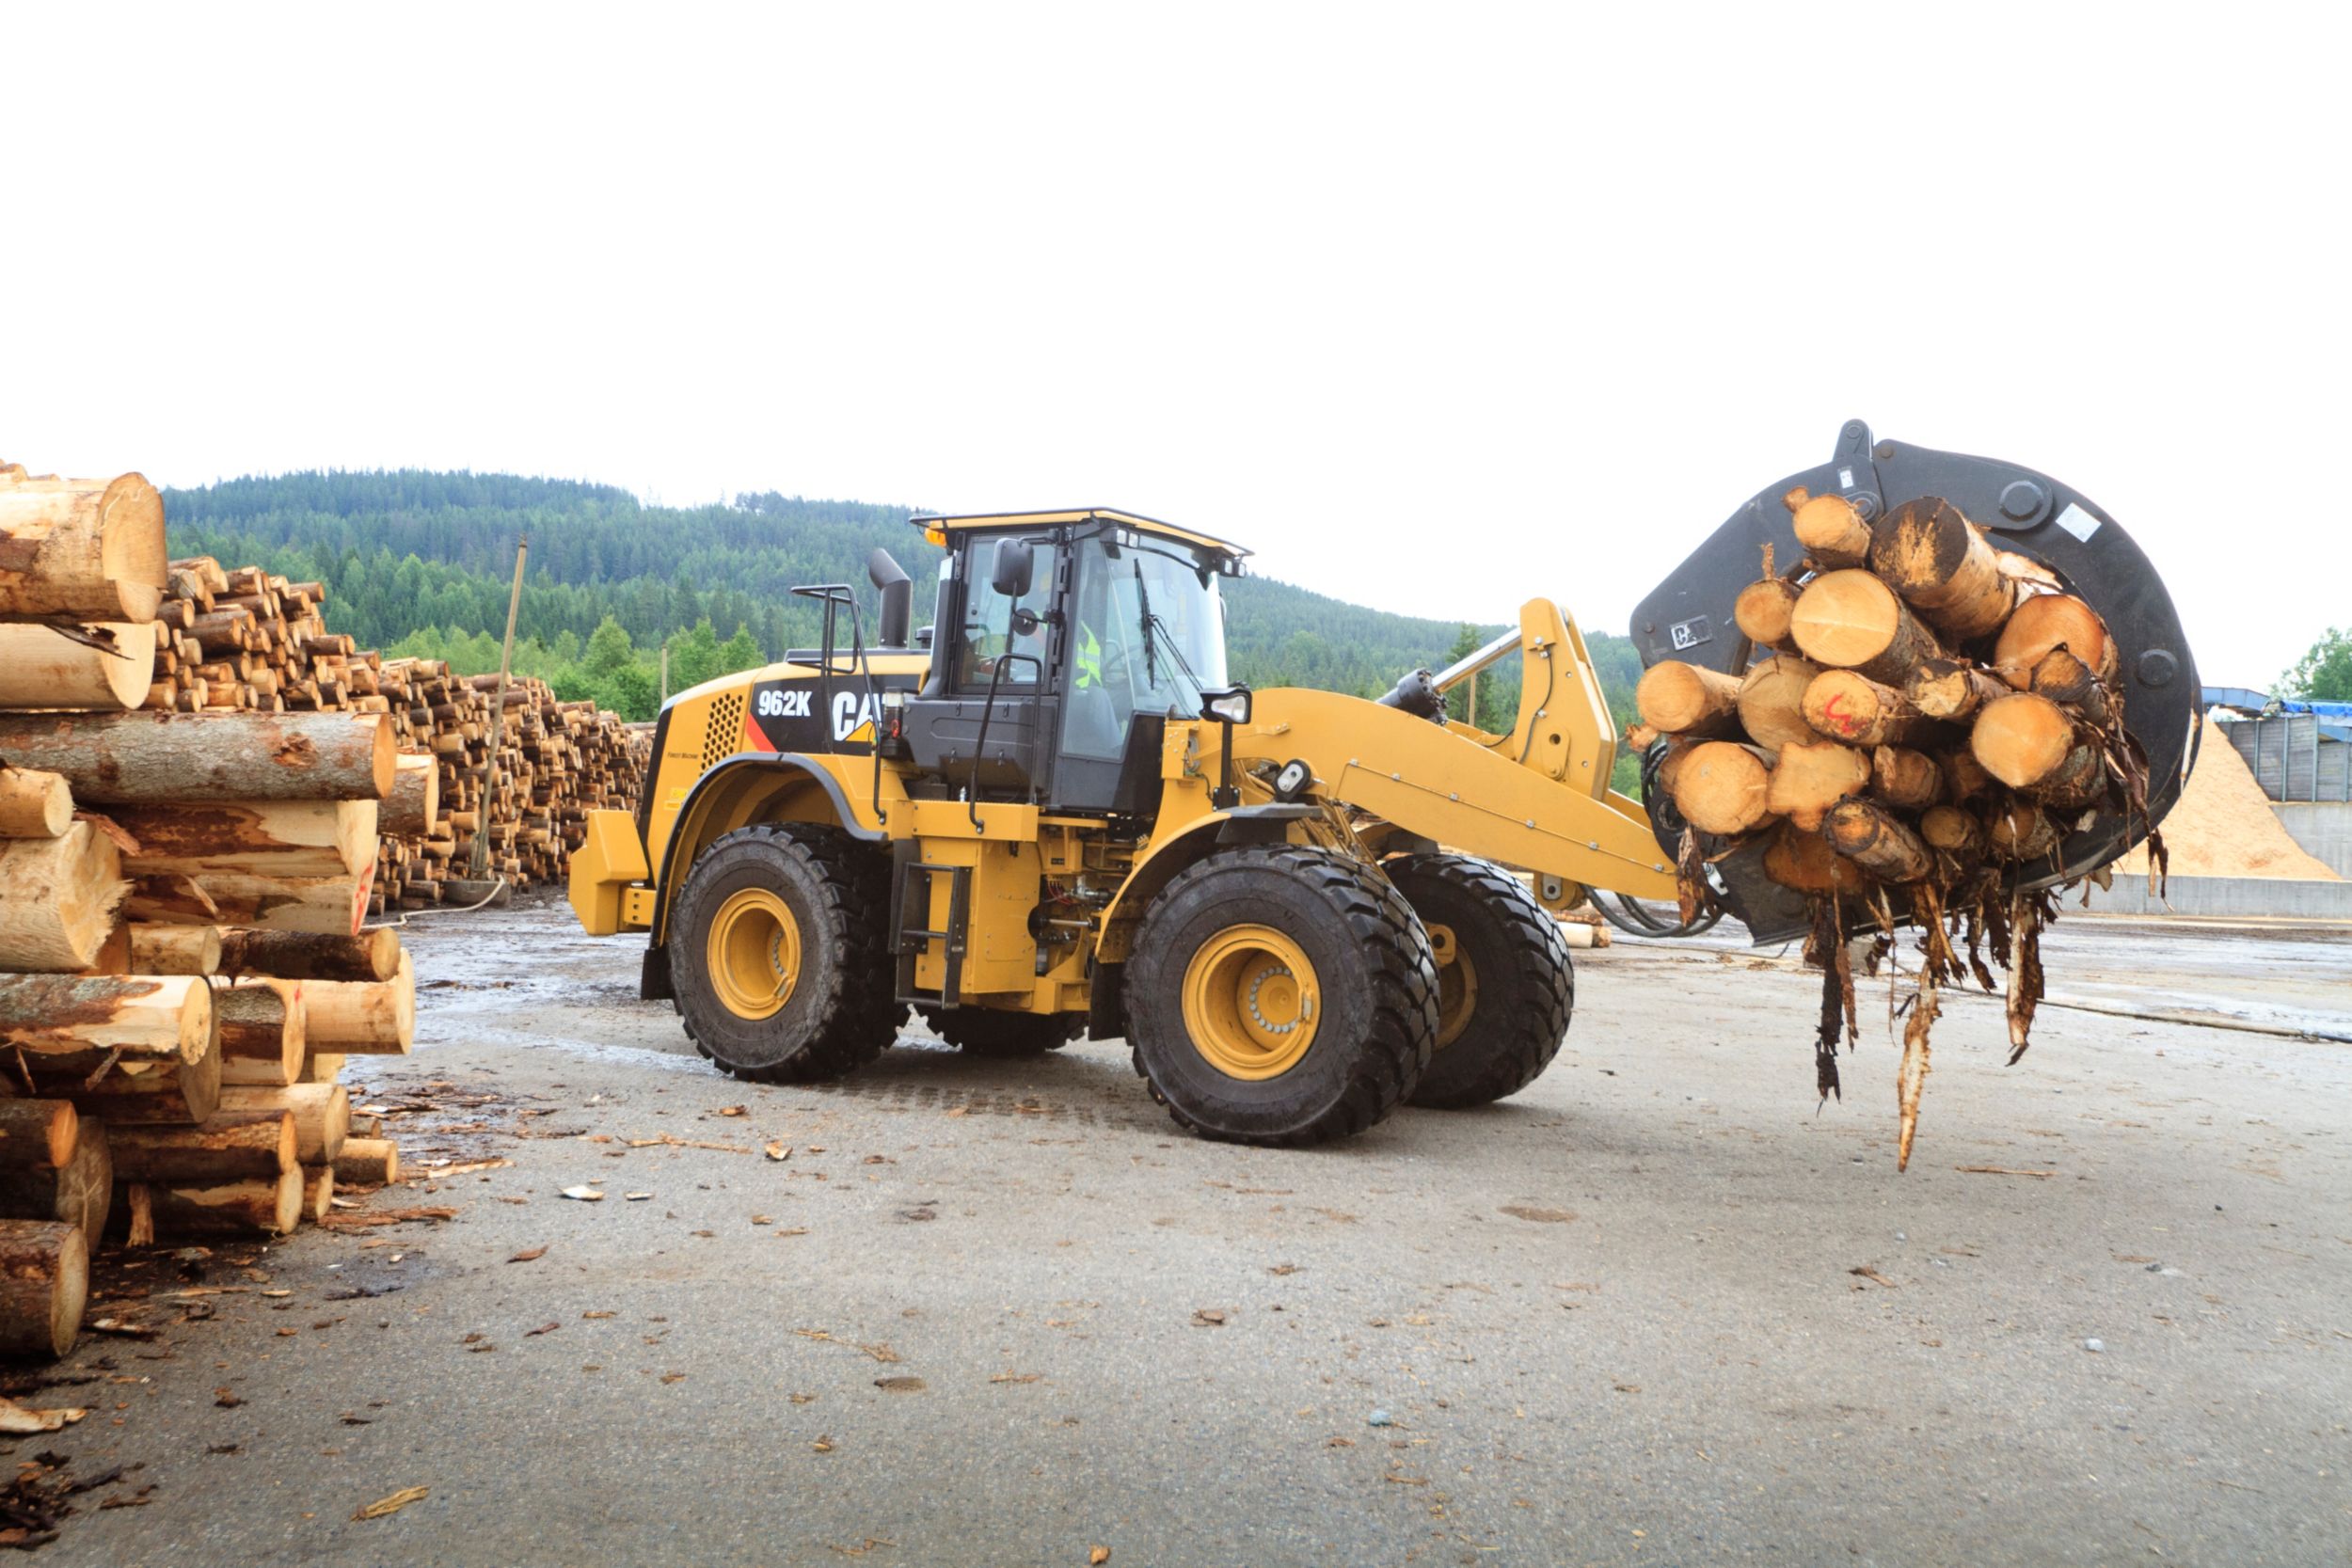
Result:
780,954
1281,995
1505,984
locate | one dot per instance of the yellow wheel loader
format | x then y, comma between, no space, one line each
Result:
1052,813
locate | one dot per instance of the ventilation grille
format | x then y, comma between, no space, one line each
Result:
724,738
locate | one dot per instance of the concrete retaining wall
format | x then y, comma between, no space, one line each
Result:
2324,830
2224,897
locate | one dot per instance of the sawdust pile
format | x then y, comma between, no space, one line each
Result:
2223,825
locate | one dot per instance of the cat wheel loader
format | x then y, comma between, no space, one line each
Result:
1052,814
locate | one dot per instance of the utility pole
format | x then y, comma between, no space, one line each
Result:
498,717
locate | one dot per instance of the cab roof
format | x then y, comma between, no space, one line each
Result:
1135,520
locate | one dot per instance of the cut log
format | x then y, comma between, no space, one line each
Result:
44,1282
1852,620
37,1134
1762,609
2020,830
364,1018
1813,776
34,804
1802,860
321,1067
1904,778
1951,689
268,838
1964,777
1868,834
2044,621
1954,831
144,1017
322,1113
1772,702
1832,531
2077,782
90,548
1721,787
2022,740
413,809
174,1091
78,1193
2070,683
157,949
114,954
368,1162
161,758
57,900
1942,565
258,1206
1686,699
231,1146
372,955
318,1192
262,1033
169,900
1848,705
105,666
330,906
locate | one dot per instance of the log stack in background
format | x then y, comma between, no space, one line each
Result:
185,862
245,640
1924,712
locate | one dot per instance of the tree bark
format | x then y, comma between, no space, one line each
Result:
34,804
1772,702
231,1146
1965,778
262,1033
368,1162
175,1090
57,900
322,1113
262,1206
1848,706
2047,621
1684,699
1851,620
1813,776
107,665
2070,683
1802,860
318,1192
2020,830
372,955
157,949
37,1134
1951,689
2023,739
265,838
413,808
90,548
1720,787
1832,533
78,1193
1941,564
326,906
1954,831
1907,779
364,1018
44,1282
1868,834
143,1016
163,758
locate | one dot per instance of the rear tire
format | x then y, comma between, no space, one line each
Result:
1281,995
985,1032
780,954
1506,997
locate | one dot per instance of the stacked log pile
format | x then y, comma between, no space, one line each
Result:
242,639
1924,713
182,968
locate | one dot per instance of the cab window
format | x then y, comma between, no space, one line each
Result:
986,635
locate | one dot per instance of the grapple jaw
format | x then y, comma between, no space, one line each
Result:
1689,617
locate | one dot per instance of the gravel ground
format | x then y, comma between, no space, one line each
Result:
1655,1310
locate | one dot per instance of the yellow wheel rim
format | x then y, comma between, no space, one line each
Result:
1457,984
753,953
1251,1002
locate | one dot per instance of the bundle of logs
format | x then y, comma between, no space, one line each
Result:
1926,714
182,968
242,639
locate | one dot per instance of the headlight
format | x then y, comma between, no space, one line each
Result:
1231,707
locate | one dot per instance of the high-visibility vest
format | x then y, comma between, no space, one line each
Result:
1089,657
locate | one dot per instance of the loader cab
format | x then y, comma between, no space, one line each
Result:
1069,639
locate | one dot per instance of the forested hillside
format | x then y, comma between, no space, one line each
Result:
420,563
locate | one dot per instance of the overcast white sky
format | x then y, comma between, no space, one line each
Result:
1437,308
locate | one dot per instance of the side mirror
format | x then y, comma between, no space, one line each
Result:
1016,566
